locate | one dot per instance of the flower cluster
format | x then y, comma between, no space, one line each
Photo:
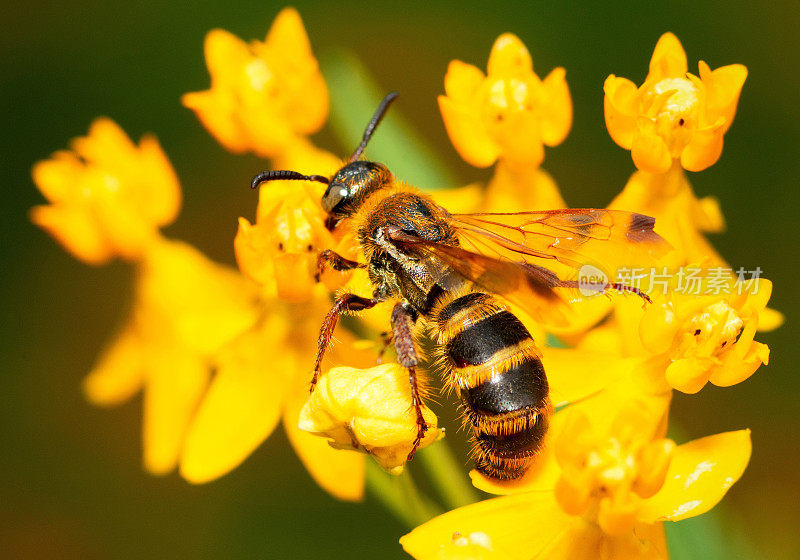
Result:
608,477
223,355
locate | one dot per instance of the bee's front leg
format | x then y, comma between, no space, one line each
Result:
336,262
403,320
343,304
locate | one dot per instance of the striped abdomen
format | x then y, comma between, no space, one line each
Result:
495,366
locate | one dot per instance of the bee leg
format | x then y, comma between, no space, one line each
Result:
609,287
403,320
336,261
344,303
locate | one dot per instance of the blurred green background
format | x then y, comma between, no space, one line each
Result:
71,484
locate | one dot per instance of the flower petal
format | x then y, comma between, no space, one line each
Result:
57,177
709,215
215,111
209,303
339,472
118,374
649,151
75,231
467,134
242,406
161,194
723,87
174,385
509,57
556,108
461,82
518,526
668,60
287,35
699,475
704,149
520,140
770,319
619,107
741,361
226,54
688,375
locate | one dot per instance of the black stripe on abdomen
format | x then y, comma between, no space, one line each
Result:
523,386
477,343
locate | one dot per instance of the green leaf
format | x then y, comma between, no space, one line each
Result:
707,536
354,97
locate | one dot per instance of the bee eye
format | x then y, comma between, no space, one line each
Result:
335,194
280,247
310,248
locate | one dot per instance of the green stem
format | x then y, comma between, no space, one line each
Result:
400,496
447,475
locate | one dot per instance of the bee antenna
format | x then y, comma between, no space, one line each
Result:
283,175
376,119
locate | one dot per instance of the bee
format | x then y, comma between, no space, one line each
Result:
416,253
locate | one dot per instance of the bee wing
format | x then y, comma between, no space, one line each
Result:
606,239
532,287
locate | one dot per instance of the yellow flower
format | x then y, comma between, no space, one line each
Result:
108,196
279,251
370,410
709,337
509,113
612,476
615,489
262,377
590,381
673,115
186,310
264,96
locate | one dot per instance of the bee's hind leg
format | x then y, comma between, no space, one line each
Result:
403,320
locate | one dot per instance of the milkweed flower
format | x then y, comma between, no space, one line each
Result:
109,198
186,309
370,410
224,356
266,96
278,252
262,378
593,379
674,115
708,338
616,489
508,114
107,195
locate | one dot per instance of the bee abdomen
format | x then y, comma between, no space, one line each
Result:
509,414
495,365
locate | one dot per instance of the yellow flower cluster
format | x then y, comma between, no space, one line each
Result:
607,477
223,355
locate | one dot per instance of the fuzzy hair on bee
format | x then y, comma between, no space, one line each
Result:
413,252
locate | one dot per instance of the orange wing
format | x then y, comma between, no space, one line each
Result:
509,250
573,237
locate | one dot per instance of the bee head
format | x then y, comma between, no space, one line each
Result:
352,183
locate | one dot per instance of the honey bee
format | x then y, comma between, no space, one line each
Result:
415,253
